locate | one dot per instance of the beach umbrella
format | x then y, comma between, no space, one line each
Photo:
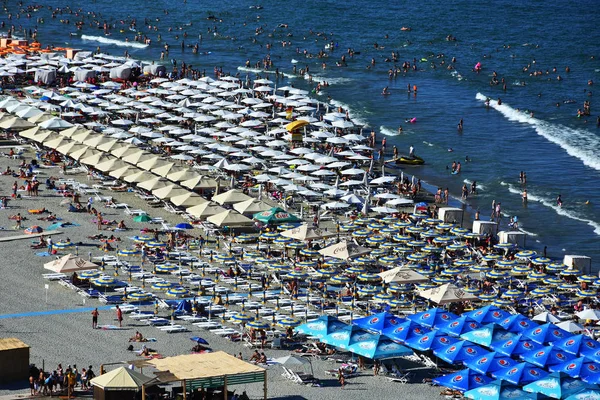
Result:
518,373
106,281
297,275
516,323
541,260
547,356
570,326
512,294
432,317
488,314
33,230
586,293
129,252
142,239
546,317
556,267
557,385
463,380
502,302
591,314
177,292
90,274
570,272
242,317
368,277
578,368
586,394
62,245
139,296
162,286
488,334
578,345
496,274
289,322
142,218
499,390
457,326
546,333
535,275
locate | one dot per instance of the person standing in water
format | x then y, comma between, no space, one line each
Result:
460,125
559,201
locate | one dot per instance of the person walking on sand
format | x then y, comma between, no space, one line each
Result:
120,316
18,220
99,221
95,314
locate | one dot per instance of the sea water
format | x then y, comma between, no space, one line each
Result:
535,129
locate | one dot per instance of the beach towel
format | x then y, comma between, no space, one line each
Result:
110,327
43,254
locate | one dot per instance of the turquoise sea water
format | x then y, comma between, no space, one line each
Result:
559,152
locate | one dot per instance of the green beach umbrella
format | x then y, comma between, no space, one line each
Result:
142,218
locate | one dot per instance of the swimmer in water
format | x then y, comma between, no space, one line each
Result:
559,201
385,91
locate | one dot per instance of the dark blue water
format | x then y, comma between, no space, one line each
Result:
559,152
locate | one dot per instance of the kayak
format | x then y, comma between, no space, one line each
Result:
414,160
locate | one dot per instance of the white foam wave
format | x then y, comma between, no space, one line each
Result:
388,131
577,143
527,232
330,81
264,71
121,43
354,116
551,203
457,75
428,144
479,185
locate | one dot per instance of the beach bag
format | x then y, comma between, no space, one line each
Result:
130,347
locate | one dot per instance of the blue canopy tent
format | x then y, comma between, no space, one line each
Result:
515,346
577,367
558,385
457,327
379,347
546,333
470,352
520,374
499,390
488,334
347,336
428,341
500,364
517,323
321,327
378,322
450,352
547,356
463,380
577,345
401,332
481,363
488,314
432,317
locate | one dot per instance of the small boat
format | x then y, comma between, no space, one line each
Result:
414,160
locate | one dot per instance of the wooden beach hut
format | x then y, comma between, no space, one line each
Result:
14,360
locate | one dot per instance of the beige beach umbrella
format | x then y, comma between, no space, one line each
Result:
139,176
169,191
56,123
44,135
95,140
83,136
154,183
181,174
205,210
304,232
447,293
344,250
29,133
124,150
230,197
188,199
229,218
402,275
163,170
122,379
94,159
38,119
16,124
251,206
53,143
200,182
69,132
108,145
151,163
110,164
122,172
69,264
138,156
81,152
69,147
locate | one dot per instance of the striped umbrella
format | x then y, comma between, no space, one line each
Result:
402,249
567,286
487,297
442,280
375,226
383,297
355,270
401,224
166,268
463,263
504,246
364,221
425,286
401,238
502,302
269,236
129,252
306,264
340,279
245,238
472,235
535,275
376,253
142,239
89,274
451,271
375,239
586,293
389,260
525,254
416,256
367,277
432,221
177,292
416,243
472,290
333,262
283,240
296,245
597,282
162,286
570,272
490,257
443,240
553,281
139,296
431,249
540,291
505,263
459,231
362,260
348,227
414,229
289,321
297,275
155,244
399,303
326,272
221,257
62,245
444,226
428,234
252,254
278,267
480,268
587,278
264,260
368,290
258,325
105,281
388,230
556,267
310,253
456,247
361,233
285,227
541,260
520,270
512,294
495,274
242,317
395,287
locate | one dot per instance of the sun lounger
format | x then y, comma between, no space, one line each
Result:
141,316
209,325
225,332
157,321
126,308
54,277
128,211
173,328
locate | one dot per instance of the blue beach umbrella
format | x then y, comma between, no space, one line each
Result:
546,333
177,292
142,239
578,345
258,325
90,274
289,322
558,385
586,394
520,374
139,297
107,281
129,252
487,334
488,314
458,326
432,317
184,225
517,323
428,340
547,356
499,390
378,322
463,380
166,268
449,352
482,362
162,286
321,327
404,329
242,317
